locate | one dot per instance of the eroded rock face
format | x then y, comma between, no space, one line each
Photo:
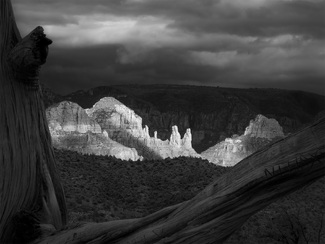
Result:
71,128
125,126
212,113
117,119
229,152
263,127
70,117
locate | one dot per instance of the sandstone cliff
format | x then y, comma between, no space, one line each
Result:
70,117
263,127
229,152
125,126
111,128
71,128
212,113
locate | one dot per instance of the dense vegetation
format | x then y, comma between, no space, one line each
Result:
101,188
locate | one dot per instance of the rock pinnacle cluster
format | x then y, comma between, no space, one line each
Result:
111,128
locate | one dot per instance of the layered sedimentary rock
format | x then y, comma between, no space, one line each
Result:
229,152
71,128
125,126
212,113
111,128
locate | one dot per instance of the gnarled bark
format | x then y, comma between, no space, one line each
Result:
32,199
30,190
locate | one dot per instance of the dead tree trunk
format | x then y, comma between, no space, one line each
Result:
31,194
30,189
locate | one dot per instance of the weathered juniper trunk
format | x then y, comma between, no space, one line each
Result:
31,194
30,190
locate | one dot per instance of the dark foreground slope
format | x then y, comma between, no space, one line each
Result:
113,188
102,188
212,113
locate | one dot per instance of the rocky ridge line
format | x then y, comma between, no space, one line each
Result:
231,151
111,128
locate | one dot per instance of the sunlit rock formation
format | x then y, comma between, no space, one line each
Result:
229,152
71,128
125,126
70,117
263,127
111,128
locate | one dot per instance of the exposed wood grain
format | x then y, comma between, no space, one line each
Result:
27,56
30,189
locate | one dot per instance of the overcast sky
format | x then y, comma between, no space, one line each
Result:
233,43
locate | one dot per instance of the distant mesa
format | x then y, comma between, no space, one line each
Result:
111,128
229,152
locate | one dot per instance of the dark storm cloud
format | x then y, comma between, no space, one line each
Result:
84,67
170,64
259,43
299,17
68,68
289,17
